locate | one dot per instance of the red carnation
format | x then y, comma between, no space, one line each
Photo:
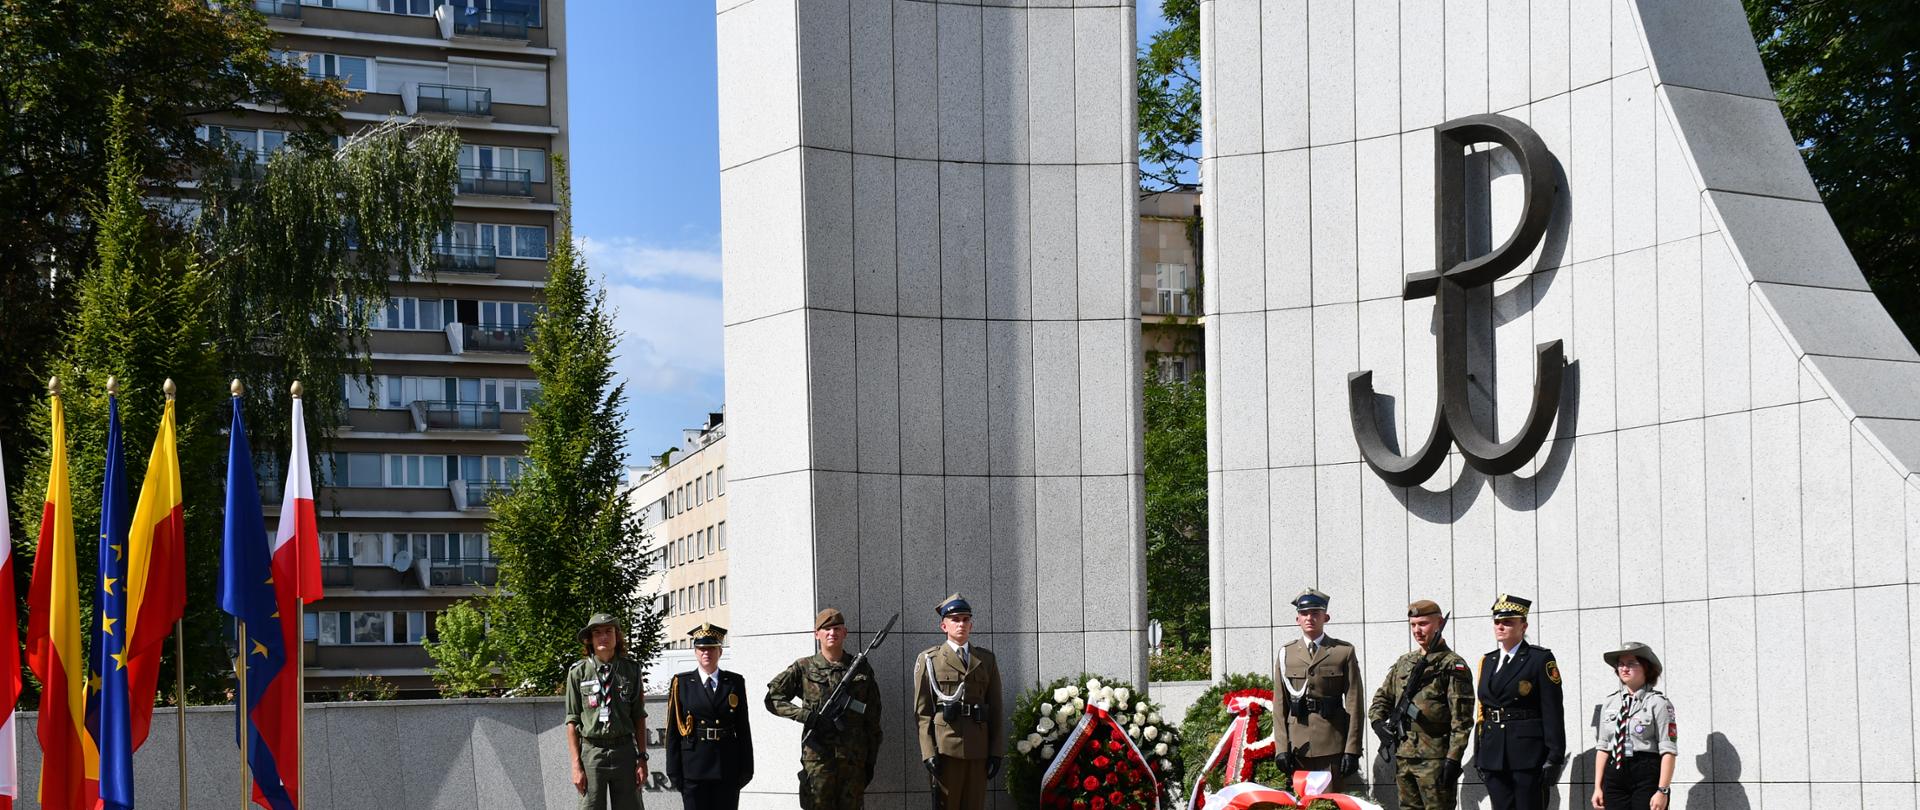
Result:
1091,783
1079,804
1101,762
1113,745
1116,797
1099,803
1113,779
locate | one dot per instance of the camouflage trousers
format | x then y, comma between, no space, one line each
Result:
1424,784
838,783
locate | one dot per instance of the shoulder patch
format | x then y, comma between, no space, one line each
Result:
1553,671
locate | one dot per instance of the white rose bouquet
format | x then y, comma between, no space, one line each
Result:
1044,717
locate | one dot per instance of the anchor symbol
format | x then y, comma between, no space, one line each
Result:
1455,274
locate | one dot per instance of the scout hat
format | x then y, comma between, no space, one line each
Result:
1509,606
1424,607
708,635
1310,599
828,618
1636,649
953,605
598,620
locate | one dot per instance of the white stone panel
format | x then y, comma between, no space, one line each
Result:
1683,510
1009,251
1681,331
1336,353
759,106
1423,68
1060,547
1241,363
1288,242
1774,366
875,286
1055,269
1103,70
1336,540
1330,65
1635,115
832,392
1244,546
1636,377
772,351
1466,55
1282,84
1729,487
1884,656
1290,513
921,426
1590,28
1724,324
1289,387
1056,404
1010,398
761,256
1777,563
917,216
1050,86
958,29
1628,53
1378,199
1640,488
1879,516
1549,29
1004,100
871,57
1836,671
1107,412
1383,521
1233,77
1590,173
1238,184
1509,55
825,58
964,397
1826,485
1376,70
1107,280
877,386
963,248
916,82
1600,523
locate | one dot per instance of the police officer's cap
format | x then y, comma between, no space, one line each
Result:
598,620
1636,649
828,618
1509,606
708,635
1424,607
953,605
1310,599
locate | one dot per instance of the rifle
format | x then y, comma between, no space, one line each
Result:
833,710
1394,729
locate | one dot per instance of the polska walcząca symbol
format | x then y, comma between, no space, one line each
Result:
1455,275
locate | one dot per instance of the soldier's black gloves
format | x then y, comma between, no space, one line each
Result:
1380,730
1554,762
933,765
1349,764
1451,771
1285,762
993,767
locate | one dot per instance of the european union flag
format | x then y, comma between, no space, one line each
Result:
108,717
246,593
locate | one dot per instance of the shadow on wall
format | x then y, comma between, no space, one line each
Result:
1721,763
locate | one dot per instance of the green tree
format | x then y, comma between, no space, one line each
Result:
1168,100
467,664
569,546
1175,452
1848,79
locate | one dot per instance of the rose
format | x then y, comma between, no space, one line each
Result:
1154,718
1133,731
1023,747
1106,694
1079,803
1046,752
1045,724
1113,745
1093,685
1116,797
1060,695
1079,705
1151,733
1121,695
1160,750
1113,779
1090,783
1046,709
1099,803
1101,762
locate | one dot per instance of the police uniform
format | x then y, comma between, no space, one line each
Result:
605,706
709,742
1636,731
962,727
1433,741
1521,734
1320,684
836,763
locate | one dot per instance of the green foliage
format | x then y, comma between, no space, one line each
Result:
1175,664
568,545
1167,86
1025,768
367,687
1175,452
1207,719
1847,81
466,661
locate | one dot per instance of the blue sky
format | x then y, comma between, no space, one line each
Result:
646,184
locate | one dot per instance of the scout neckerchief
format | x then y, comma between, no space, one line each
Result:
1620,732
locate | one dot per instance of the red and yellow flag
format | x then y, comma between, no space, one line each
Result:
156,573
68,756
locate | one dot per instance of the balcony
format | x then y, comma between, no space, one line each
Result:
494,337
494,23
455,573
448,99
496,182
465,258
1173,302
472,496
442,415
278,9
336,572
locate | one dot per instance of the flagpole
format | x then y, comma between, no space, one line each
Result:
179,670
240,667
300,665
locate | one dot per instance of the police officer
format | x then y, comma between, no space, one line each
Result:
1435,730
1521,737
604,713
956,697
836,763
1319,679
1637,739
709,743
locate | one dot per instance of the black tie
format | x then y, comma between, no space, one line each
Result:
713,683
963,658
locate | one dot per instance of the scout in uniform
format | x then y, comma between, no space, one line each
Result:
836,763
604,713
709,744
1521,736
1436,689
1319,679
956,697
1637,739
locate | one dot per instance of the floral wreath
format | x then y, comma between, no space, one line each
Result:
1045,716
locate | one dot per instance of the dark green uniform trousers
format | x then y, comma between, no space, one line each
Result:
839,783
1424,784
610,774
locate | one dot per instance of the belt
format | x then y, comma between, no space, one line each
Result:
1511,715
609,742
1313,705
713,733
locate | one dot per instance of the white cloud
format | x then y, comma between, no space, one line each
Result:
624,258
669,328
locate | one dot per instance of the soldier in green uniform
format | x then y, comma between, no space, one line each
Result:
962,725
1433,731
604,712
837,762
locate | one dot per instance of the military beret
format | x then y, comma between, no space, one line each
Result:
1509,606
1424,607
828,618
1310,599
954,604
708,635
598,620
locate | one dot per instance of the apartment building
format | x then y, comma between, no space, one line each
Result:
403,504
682,501
1170,321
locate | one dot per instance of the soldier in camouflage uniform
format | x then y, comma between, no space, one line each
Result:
1427,760
837,763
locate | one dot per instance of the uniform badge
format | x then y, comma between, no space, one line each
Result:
1639,728
733,701
1553,671
1526,688
593,701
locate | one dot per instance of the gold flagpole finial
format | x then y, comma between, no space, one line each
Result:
113,385
168,388
53,386
296,389
236,387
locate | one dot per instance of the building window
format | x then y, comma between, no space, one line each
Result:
352,470
720,479
411,314
711,535
310,627
711,492
1171,281
406,471
722,531
355,72
369,627
533,161
1172,369
723,590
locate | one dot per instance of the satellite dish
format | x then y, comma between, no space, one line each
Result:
1153,635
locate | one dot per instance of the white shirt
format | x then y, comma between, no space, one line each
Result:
1506,655
710,680
1315,643
961,650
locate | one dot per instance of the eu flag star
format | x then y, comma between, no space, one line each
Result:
108,585
118,551
120,660
259,649
106,624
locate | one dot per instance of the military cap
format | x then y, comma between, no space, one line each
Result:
599,619
1310,599
1509,606
1424,607
1636,649
954,604
708,635
828,618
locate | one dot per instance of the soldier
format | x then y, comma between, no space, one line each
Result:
1521,736
604,713
1429,738
1318,677
837,762
709,743
956,695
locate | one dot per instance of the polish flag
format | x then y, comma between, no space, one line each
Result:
296,544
